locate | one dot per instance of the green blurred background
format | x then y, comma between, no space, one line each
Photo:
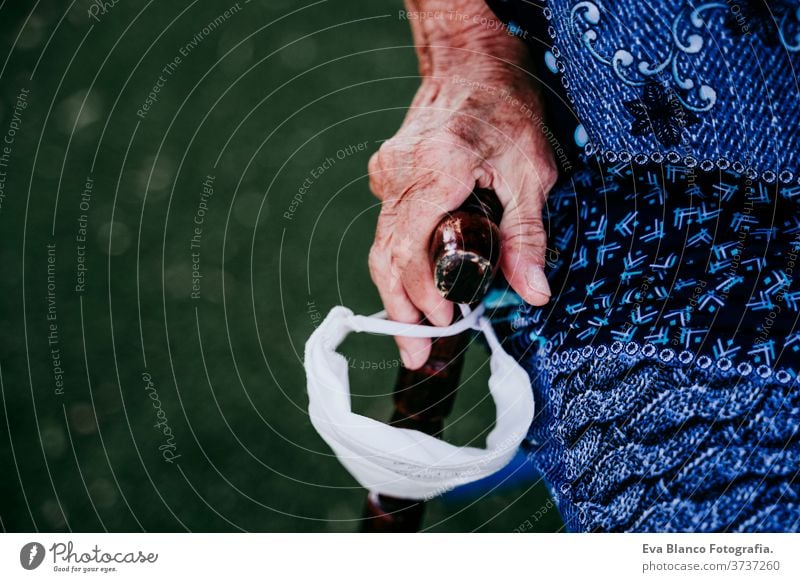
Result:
261,97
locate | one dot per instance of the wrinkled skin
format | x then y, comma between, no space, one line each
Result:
475,120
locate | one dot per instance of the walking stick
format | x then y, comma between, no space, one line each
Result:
465,251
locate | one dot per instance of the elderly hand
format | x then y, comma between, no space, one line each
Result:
476,120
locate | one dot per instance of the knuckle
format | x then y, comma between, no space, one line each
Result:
377,260
384,165
533,225
401,256
374,164
388,153
546,174
528,234
377,178
549,176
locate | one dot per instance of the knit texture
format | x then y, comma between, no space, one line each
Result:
709,85
665,367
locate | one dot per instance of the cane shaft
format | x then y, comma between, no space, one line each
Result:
422,400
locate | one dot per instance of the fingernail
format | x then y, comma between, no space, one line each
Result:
537,280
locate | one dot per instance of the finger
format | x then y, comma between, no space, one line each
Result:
416,272
524,243
413,351
421,212
420,288
522,182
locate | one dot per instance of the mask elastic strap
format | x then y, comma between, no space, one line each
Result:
378,324
483,324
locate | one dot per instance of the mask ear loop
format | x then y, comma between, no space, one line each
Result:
483,324
378,323
471,319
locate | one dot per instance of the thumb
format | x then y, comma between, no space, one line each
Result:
524,244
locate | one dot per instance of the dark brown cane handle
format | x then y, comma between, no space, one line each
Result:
465,248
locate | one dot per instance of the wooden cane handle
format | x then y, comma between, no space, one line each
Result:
465,248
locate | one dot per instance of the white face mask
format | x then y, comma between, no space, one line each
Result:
400,462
